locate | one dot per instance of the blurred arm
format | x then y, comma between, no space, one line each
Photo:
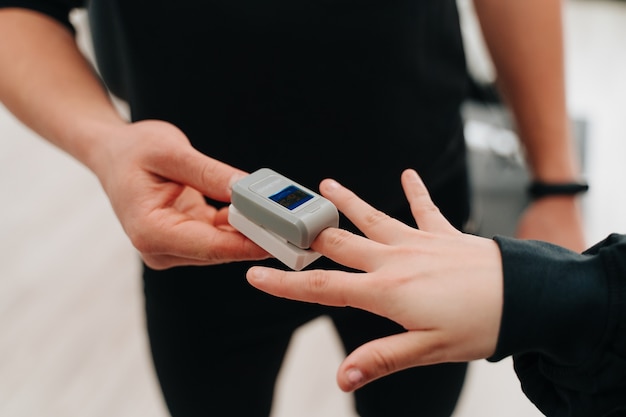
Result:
49,85
525,40
156,181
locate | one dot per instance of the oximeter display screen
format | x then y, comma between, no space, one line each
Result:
291,197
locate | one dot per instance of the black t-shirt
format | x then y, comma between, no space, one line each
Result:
354,90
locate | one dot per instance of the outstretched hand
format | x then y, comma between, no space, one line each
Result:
444,287
156,182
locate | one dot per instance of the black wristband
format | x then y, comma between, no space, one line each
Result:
538,189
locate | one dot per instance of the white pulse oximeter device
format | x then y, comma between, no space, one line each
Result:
281,216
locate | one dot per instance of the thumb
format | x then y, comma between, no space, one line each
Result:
387,355
209,176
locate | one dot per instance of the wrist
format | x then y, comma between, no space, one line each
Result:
97,143
568,299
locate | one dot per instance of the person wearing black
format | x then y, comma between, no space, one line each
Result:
353,90
559,313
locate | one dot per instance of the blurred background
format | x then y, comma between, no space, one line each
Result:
72,338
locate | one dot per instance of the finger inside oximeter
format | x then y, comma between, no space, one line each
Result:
294,257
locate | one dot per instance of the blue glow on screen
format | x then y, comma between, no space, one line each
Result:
291,197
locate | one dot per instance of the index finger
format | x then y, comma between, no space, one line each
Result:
185,165
348,249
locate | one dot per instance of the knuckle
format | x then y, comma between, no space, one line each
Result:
436,349
338,238
318,281
375,217
207,175
156,262
428,207
141,241
384,361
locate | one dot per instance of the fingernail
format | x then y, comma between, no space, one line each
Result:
234,179
257,274
412,174
331,185
355,376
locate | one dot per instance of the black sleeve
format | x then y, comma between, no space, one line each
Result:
56,9
564,322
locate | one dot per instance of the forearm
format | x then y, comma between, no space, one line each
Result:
555,301
525,40
563,321
49,85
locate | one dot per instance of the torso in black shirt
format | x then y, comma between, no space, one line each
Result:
355,90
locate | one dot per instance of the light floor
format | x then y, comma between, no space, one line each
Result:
72,341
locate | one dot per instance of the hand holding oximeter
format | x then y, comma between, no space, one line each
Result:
281,216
